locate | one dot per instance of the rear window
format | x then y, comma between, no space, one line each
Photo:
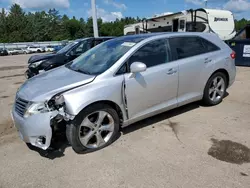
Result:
191,46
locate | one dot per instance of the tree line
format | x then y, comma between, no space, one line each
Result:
19,26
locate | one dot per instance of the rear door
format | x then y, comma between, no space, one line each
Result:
196,63
156,88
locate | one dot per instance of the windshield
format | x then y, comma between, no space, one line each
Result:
102,57
67,47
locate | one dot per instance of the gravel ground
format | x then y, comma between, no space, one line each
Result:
192,146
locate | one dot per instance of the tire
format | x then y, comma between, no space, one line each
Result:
215,89
77,131
39,51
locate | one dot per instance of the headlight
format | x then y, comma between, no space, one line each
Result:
36,108
34,65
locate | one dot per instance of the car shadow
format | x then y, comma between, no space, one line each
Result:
160,117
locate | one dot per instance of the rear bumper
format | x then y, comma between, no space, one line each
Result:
35,129
232,74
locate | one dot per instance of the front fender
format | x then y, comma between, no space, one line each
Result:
109,89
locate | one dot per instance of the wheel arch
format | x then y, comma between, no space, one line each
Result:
112,104
225,72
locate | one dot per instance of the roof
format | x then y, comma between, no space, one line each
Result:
166,34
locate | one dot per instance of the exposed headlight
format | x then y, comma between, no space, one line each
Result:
34,65
36,108
56,102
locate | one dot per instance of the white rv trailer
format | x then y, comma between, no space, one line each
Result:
216,21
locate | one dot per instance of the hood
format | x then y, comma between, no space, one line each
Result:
44,86
36,58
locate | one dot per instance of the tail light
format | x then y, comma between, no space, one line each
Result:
233,55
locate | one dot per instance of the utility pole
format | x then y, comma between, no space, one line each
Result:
94,18
205,3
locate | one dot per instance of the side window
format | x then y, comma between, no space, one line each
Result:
79,48
122,70
182,24
153,53
187,46
209,46
97,41
83,47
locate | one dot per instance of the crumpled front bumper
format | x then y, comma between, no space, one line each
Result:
35,129
29,73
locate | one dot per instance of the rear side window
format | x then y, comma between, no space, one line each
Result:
209,46
187,46
152,54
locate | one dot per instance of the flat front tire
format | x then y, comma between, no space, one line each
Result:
94,128
215,89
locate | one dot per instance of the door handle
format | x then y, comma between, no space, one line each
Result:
171,71
207,60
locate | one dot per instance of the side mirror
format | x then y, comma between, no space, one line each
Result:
138,67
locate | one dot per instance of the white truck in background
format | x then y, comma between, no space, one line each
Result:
216,21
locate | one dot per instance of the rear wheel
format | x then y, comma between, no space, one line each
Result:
94,128
215,89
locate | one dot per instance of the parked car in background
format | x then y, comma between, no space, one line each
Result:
41,63
120,82
18,51
12,51
3,52
49,48
26,51
35,49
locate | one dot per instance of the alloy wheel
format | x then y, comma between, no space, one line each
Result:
96,129
217,89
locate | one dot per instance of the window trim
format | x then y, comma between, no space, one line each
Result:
126,61
173,48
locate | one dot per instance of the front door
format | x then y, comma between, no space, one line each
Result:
156,88
182,25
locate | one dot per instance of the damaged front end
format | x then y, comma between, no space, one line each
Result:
40,123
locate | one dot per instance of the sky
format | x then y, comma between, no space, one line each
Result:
109,10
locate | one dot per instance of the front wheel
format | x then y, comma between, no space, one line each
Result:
94,128
215,89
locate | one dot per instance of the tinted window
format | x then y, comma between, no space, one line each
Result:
209,47
187,46
97,41
122,70
153,53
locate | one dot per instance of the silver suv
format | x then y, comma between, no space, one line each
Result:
119,82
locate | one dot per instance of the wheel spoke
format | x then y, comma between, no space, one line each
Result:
211,90
215,82
108,127
85,139
87,123
101,116
99,140
214,95
220,83
220,93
